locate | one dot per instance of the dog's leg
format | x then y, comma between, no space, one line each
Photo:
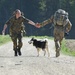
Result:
44,52
47,51
38,52
47,48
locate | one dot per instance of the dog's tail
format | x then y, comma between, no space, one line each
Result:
46,40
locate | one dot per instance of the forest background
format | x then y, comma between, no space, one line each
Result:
37,11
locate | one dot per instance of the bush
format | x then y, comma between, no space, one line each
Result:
4,39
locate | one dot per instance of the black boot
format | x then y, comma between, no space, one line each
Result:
19,52
57,54
15,53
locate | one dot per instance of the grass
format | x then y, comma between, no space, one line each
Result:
4,39
65,50
41,37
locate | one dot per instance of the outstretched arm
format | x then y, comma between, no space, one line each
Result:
34,24
5,26
28,21
31,22
50,20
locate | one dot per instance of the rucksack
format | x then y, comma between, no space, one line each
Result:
60,17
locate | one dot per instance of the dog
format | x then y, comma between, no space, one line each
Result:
40,44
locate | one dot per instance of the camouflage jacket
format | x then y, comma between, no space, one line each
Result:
16,25
51,20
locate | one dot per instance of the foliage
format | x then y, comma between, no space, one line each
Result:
66,50
41,37
37,11
4,39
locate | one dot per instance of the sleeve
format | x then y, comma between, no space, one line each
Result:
25,19
9,21
50,20
68,27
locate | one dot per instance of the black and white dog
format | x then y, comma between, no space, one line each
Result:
40,44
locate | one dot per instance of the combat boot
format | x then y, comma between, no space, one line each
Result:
15,53
19,51
57,52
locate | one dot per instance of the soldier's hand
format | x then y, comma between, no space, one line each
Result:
67,30
66,34
37,25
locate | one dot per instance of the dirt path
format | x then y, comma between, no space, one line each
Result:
30,64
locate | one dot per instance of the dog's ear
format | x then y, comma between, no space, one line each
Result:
32,38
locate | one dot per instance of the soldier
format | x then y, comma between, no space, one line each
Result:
16,30
62,25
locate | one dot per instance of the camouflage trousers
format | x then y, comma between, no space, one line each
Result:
58,37
17,42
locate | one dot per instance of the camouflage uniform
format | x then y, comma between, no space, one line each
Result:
59,29
16,32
